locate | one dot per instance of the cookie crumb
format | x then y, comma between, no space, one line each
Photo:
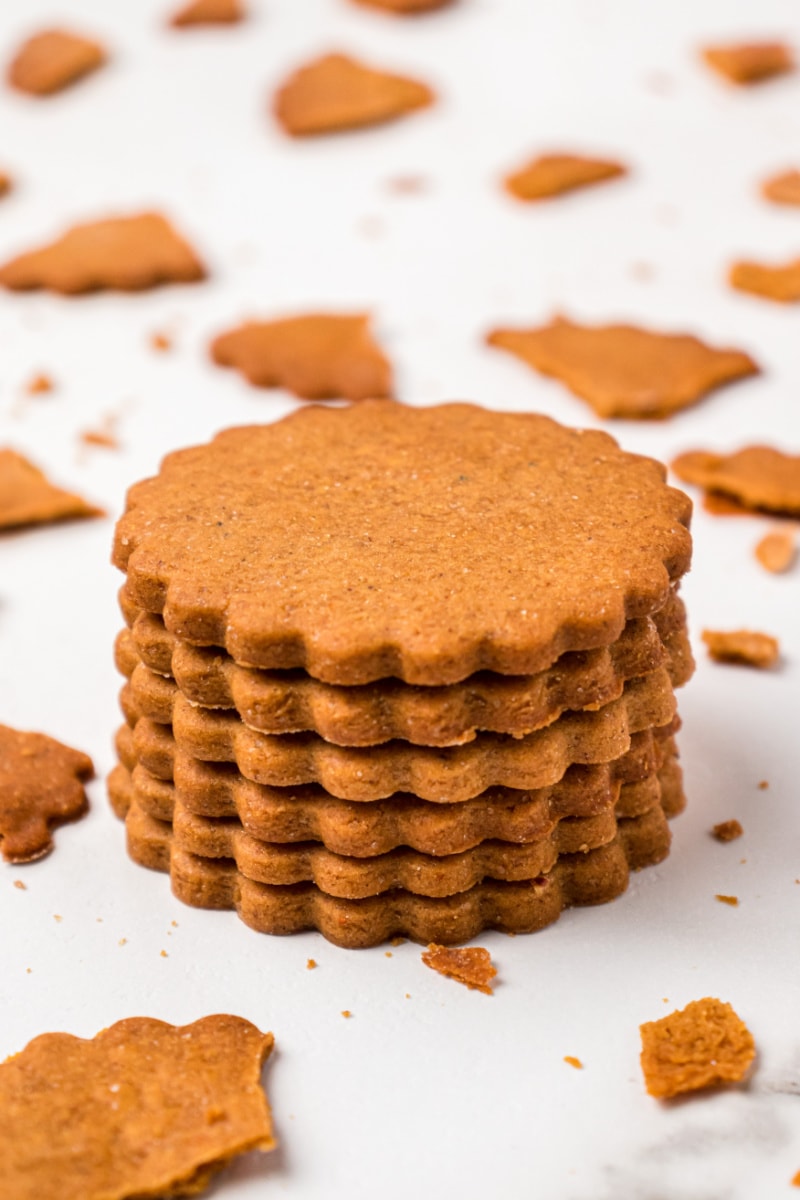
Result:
58,918
164,954
796,1180
397,941
743,647
732,900
161,342
727,831
28,971
311,964
470,965
346,1013
39,385
776,551
749,62
698,1046
23,887
387,954
783,188
573,1062
763,785
408,995
122,942
105,435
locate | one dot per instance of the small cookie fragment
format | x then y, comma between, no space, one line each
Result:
783,188
337,92
623,371
38,385
733,901
796,1180
727,831
776,551
52,60
28,498
554,174
320,356
41,785
405,8
127,254
161,342
696,1047
757,477
471,965
750,62
772,283
742,646
143,1109
208,12
5,183
572,1061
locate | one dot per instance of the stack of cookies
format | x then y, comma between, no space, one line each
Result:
398,671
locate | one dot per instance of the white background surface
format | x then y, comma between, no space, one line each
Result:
446,1093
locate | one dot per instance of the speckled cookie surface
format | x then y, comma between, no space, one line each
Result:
381,540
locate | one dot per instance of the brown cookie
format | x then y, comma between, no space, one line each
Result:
699,1046
783,188
471,965
208,12
52,60
126,254
432,514
144,1109
321,356
337,92
750,62
622,371
777,551
554,174
773,283
41,785
744,647
28,498
405,8
757,477
592,878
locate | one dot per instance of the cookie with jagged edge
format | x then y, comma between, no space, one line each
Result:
760,478
278,703
27,497
41,786
403,867
577,879
381,540
443,774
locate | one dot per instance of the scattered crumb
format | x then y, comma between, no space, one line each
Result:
763,785
387,954
122,942
38,385
99,920
160,341
174,924
311,964
744,647
732,900
703,1044
406,185
28,971
23,887
749,62
471,965
776,551
57,917
346,1013
796,1180
510,933
573,1062
397,941
666,999
727,831
105,435
742,861
408,995
164,954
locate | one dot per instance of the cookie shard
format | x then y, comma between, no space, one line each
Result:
470,965
624,371
554,174
781,283
744,647
750,62
405,8
699,1046
127,254
758,477
319,356
280,591
28,498
337,92
41,785
208,12
50,61
783,188
143,1109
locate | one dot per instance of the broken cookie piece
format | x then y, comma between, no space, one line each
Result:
781,283
208,12
776,551
757,477
41,785
554,174
52,60
783,188
696,1047
750,62
727,831
623,371
470,965
744,647
337,92
28,498
125,254
320,356
143,1109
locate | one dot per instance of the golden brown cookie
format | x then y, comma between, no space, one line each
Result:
744,647
750,62
554,174
622,371
127,254
144,1109
471,965
758,477
699,1046
773,283
467,531
208,12
405,8
52,60
592,878
337,92
783,188
322,356
28,498
41,785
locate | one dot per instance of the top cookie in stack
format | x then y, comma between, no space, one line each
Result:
374,616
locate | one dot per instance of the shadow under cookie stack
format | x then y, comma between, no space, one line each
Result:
399,671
